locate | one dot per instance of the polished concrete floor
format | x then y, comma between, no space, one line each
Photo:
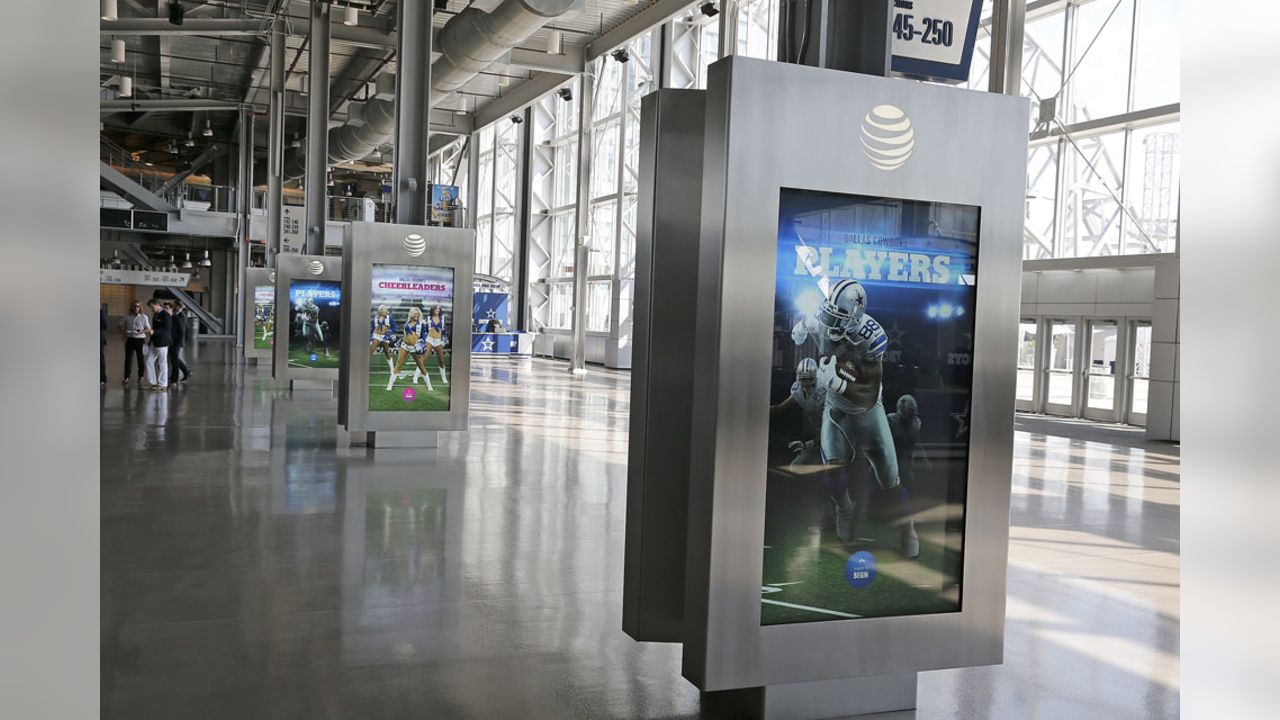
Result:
252,568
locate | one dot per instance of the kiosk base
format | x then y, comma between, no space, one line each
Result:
403,439
814,700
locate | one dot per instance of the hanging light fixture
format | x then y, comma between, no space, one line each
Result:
208,128
187,264
555,43
190,141
173,265
115,260
126,86
117,50
350,16
109,10
206,261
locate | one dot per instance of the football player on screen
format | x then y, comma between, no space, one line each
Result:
852,345
807,395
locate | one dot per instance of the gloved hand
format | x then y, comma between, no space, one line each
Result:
803,328
828,377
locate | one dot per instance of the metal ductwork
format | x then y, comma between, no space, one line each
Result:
474,39
469,43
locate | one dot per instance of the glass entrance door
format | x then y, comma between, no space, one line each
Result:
1027,356
1060,377
1100,373
1139,371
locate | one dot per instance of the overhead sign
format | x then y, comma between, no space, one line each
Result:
293,235
107,276
934,39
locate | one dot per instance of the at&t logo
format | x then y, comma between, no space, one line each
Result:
887,137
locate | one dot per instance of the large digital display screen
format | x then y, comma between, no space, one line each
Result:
410,338
868,425
264,316
315,325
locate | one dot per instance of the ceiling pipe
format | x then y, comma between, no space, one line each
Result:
474,39
469,43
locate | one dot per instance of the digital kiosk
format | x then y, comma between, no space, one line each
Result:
406,362
260,314
857,289
308,321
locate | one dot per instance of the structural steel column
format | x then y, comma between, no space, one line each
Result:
317,128
244,193
1015,28
472,148
727,40
275,144
581,254
413,111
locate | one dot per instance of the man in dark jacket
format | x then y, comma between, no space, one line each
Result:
178,335
158,350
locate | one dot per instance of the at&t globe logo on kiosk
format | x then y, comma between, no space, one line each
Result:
415,245
887,137
315,267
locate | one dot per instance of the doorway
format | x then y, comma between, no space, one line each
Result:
1139,372
1100,372
1025,398
1060,368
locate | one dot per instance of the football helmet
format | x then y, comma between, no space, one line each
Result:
807,370
907,406
843,308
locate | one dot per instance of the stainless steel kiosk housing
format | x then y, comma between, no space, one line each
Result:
367,244
661,430
771,126
301,267
255,278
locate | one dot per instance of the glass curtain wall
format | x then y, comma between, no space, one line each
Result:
498,189
1103,171
553,178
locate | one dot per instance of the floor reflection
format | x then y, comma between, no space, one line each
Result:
254,568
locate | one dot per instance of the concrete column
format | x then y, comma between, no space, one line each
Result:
581,262
1163,389
413,111
275,144
317,208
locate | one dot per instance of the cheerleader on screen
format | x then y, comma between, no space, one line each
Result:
382,334
435,339
412,343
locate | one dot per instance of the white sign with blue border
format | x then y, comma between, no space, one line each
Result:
934,39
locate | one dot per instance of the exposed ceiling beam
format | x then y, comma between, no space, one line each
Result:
359,35
519,96
645,20
571,61
442,121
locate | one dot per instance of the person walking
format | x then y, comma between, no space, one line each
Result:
158,358
136,327
178,340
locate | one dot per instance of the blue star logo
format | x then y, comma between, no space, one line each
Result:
487,344
963,419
